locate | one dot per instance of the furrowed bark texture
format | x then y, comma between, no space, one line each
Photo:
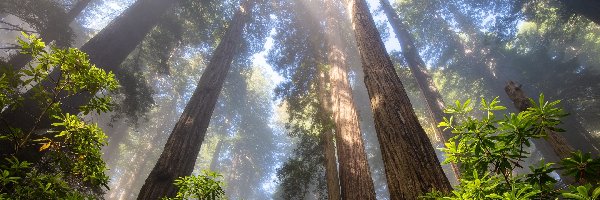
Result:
411,166
521,102
355,175
107,50
417,66
331,171
182,147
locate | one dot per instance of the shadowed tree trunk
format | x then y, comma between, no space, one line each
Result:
355,175
214,162
411,165
107,50
558,143
417,66
53,33
182,147
521,102
588,8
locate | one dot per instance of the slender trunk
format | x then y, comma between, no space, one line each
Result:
588,8
559,144
411,165
355,175
214,163
182,147
521,102
106,50
417,66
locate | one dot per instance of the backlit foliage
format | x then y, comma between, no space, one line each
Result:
490,149
65,161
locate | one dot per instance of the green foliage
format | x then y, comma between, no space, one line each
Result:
492,148
64,162
582,166
208,185
582,193
28,183
495,143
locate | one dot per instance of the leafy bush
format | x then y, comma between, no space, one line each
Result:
582,193
491,148
66,161
207,186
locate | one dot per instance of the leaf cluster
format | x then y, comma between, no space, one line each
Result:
492,148
207,185
65,161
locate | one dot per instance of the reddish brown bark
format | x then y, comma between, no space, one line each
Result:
182,147
411,166
331,171
417,66
355,175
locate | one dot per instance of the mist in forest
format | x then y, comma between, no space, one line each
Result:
273,85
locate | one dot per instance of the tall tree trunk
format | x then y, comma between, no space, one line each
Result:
355,175
107,50
417,66
559,144
182,147
588,8
411,165
331,171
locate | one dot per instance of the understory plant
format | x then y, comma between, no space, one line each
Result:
208,185
489,150
63,162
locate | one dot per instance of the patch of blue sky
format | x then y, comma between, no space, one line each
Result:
100,15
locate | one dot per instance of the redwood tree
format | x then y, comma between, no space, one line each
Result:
417,67
355,175
182,147
411,165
